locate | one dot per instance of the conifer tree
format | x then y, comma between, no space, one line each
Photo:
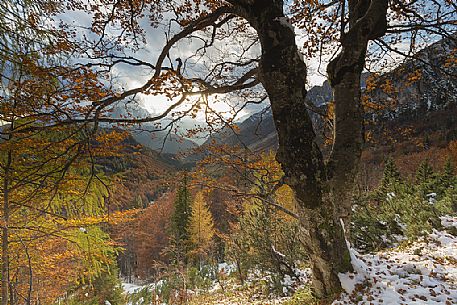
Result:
447,176
201,227
424,173
425,178
391,179
180,219
391,173
444,181
139,202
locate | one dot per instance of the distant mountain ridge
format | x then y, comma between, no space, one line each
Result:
435,89
139,174
162,141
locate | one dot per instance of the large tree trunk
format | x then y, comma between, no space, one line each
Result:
323,192
367,21
283,74
347,147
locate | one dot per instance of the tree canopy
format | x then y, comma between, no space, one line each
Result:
191,57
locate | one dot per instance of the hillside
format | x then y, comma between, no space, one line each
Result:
415,102
424,272
139,174
162,141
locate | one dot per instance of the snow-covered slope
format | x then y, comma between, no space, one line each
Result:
422,273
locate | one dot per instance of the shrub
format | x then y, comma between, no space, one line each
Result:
200,279
302,296
400,210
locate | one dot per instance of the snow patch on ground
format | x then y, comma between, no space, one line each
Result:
422,273
131,288
226,268
449,221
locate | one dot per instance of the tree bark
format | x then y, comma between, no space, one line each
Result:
367,21
5,231
283,75
323,191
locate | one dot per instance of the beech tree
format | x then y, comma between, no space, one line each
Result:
144,239
322,184
266,65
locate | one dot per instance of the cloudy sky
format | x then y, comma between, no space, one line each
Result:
128,76
230,49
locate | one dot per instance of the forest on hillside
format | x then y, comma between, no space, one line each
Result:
228,152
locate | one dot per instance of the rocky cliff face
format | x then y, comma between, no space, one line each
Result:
426,83
411,91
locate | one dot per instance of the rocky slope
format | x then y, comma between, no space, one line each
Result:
404,97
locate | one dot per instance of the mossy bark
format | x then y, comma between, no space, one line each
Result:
323,191
283,74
